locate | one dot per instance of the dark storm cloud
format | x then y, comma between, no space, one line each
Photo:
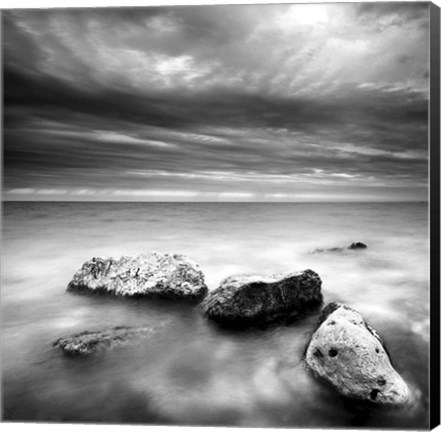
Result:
29,97
165,96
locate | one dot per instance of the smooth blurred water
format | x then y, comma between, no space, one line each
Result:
190,371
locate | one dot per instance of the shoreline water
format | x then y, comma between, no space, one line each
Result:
44,244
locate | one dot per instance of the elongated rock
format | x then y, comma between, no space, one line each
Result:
352,246
148,274
350,355
87,342
245,300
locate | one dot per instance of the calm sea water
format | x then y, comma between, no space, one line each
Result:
190,371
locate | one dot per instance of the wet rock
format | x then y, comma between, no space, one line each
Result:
357,245
86,343
353,246
248,300
149,274
350,355
334,249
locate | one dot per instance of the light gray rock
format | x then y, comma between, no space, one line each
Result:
248,300
149,274
87,342
350,355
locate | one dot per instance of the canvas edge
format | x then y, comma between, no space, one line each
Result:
434,139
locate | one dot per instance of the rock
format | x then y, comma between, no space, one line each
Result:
86,343
148,274
245,300
334,249
357,245
350,355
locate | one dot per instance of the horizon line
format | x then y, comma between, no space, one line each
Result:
223,202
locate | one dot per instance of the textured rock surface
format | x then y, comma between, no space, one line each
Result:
163,275
353,246
253,300
86,343
350,355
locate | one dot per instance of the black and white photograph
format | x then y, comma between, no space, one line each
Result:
220,215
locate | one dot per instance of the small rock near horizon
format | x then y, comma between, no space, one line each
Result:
357,245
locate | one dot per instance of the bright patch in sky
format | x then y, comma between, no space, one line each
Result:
305,15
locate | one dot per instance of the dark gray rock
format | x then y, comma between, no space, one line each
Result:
350,355
252,300
149,274
86,343
357,245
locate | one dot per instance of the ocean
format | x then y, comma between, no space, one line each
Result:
190,372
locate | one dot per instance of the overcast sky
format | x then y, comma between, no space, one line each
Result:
325,102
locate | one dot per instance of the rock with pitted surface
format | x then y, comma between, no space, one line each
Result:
252,300
86,343
149,274
350,355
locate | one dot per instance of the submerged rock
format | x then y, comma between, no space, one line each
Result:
86,343
148,274
245,300
334,249
353,246
350,355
